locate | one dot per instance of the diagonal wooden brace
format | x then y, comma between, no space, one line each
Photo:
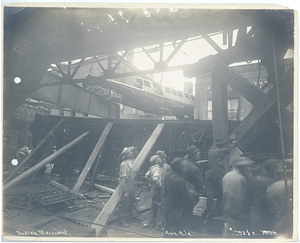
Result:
236,81
114,199
33,151
263,113
44,162
93,156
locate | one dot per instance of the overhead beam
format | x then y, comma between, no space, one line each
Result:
93,156
61,71
176,49
44,162
263,113
23,162
212,43
148,55
114,199
99,63
120,60
77,68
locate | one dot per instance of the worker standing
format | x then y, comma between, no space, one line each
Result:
156,177
128,204
237,196
214,175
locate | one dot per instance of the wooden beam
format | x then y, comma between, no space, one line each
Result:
287,120
236,81
65,188
219,108
263,113
93,156
45,154
44,162
113,201
96,169
33,151
102,188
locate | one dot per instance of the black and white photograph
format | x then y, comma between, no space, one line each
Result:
156,122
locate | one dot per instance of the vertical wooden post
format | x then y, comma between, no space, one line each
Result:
219,108
200,110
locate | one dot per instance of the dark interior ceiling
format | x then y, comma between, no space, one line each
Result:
34,38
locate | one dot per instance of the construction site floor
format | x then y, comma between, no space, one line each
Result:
25,217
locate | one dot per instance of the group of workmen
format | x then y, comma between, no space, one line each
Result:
253,194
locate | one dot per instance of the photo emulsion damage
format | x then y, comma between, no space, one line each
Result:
148,122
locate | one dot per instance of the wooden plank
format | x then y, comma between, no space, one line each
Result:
103,188
65,188
93,156
113,201
212,43
287,119
219,108
262,114
236,81
44,162
96,169
33,151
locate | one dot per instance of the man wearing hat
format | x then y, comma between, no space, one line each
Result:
213,177
156,176
237,196
127,206
190,171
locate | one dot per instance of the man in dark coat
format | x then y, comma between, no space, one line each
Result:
281,201
262,219
190,171
213,177
177,202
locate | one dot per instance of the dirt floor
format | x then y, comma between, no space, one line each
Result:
30,211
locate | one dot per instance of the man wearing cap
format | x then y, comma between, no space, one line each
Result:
166,168
213,177
127,205
156,176
237,197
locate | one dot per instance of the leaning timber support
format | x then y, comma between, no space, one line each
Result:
93,156
114,199
263,113
44,162
236,81
33,151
